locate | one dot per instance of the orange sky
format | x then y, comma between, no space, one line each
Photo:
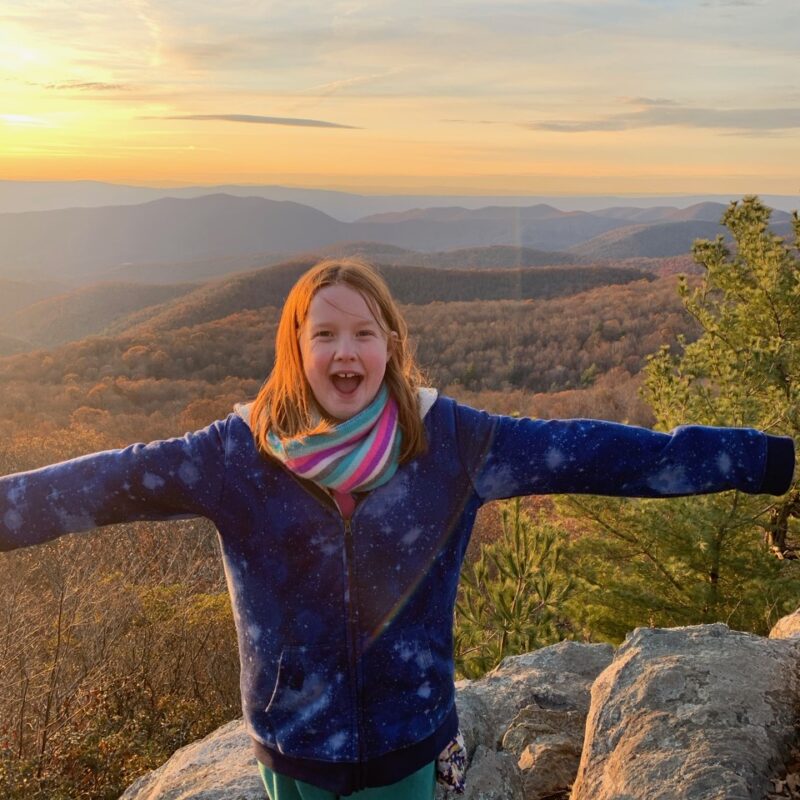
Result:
514,96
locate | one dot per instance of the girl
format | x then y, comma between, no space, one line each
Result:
344,497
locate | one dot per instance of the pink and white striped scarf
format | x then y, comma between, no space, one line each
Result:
357,455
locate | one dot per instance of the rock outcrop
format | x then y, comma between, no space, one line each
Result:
219,767
786,627
531,710
694,713
699,712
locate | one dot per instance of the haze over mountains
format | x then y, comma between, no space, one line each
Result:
172,262
344,206
88,244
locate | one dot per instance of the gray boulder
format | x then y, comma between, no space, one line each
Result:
220,767
555,678
690,714
547,747
493,775
523,722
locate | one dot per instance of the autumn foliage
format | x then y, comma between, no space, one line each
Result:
117,646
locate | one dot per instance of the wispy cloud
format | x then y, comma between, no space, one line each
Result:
345,84
86,86
651,101
724,3
474,121
666,113
258,120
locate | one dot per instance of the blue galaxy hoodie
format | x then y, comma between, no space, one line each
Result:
345,629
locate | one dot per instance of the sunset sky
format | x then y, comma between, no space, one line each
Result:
579,97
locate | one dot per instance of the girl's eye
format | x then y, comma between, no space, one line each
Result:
366,333
322,334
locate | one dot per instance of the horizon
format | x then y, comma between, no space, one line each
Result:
380,191
341,204
625,98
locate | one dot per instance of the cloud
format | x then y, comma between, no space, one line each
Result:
341,86
724,3
258,120
650,101
209,54
88,86
742,120
474,121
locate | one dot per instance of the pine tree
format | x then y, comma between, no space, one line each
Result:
711,558
509,598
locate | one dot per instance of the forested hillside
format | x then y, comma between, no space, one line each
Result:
119,645
82,312
161,372
9,345
15,295
120,307
412,285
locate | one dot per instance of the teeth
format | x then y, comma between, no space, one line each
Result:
346,375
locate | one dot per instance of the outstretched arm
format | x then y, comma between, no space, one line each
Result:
166,479
509,456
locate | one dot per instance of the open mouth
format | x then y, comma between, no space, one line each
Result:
346,382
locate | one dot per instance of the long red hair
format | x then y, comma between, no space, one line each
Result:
285,404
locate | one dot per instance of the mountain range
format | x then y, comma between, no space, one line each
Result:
84,245
114,309
344,206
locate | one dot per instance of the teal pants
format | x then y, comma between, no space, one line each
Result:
418,786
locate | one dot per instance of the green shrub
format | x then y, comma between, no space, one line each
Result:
509,598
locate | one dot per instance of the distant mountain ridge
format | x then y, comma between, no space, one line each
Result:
342,205
657,240
85,244
458,213
494,257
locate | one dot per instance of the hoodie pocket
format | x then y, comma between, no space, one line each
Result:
408,689
310,710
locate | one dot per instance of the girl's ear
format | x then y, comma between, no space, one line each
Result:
391,344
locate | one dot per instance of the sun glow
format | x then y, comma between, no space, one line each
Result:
23,119
155,92
13,54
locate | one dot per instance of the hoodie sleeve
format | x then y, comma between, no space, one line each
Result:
167,479
508,456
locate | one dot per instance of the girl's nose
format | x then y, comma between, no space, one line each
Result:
345,348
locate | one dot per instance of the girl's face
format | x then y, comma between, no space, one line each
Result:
344,351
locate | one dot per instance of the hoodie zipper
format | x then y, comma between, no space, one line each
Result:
352,613
325,500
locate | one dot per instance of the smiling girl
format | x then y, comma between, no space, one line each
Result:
344,350
344,497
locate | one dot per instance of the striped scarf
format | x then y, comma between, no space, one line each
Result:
357,455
